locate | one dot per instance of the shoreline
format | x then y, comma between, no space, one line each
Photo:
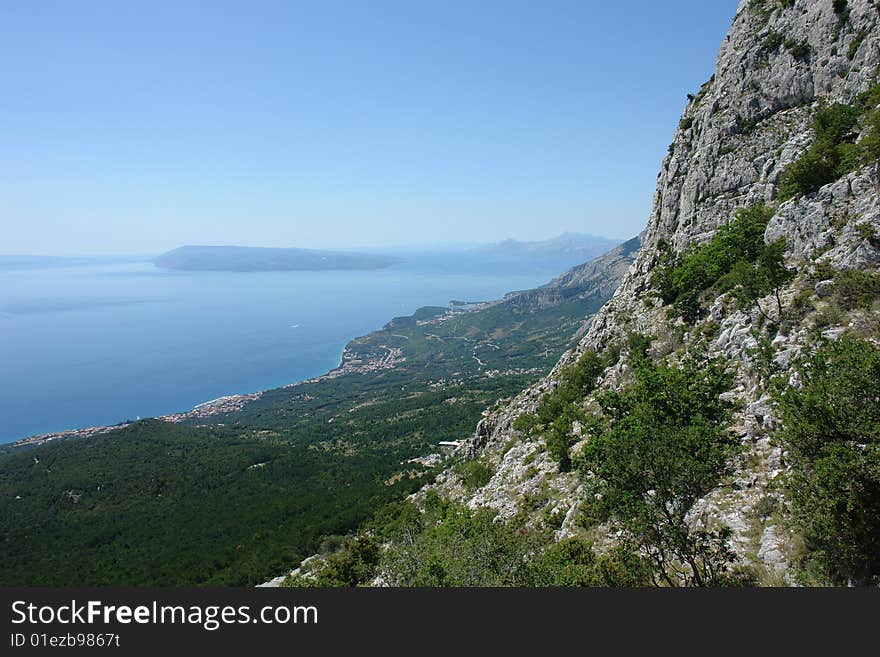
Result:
347,364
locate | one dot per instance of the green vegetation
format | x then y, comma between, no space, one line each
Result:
735,260
662,446
161,504
772,41
866,232
841,8
834,151
474,474
855,44
855,288
451,545
829,156
800,50
851,289
764,8
560,408
832,434
526,423
659,446
746,124
352,563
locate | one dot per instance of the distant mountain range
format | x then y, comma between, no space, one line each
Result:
578,247
569,248
247,258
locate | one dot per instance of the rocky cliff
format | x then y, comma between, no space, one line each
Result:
781,62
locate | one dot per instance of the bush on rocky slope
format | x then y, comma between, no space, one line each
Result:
560,408
452,545
662,447
736,259
836,149
832,434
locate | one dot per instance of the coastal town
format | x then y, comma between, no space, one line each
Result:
225,404
354,363
372,359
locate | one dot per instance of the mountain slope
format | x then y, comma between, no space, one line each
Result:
598,278
752,130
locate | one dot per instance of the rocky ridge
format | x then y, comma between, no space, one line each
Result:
779,63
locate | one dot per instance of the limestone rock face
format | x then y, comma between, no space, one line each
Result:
737,134
749,122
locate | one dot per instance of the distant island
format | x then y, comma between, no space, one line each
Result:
248,258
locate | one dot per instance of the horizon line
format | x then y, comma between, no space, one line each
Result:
405,245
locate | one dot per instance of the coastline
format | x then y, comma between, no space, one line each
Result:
349,363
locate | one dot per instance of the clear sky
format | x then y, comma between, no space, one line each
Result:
135,127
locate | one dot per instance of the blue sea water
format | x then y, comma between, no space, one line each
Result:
100,343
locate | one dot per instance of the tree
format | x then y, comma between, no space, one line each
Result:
831,429
750,281
664,446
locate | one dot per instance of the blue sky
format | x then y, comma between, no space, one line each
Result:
135,127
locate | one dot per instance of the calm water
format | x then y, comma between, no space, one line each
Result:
99,344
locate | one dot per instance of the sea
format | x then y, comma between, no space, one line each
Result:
92,342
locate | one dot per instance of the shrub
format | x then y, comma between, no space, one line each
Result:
560,408
766,7
525,423
664,446
855,44
772,41
749,281
866,232
474,474
799,50
736,258
809,172
831,429
834,151
854,288
451,545
353,563
821,164
573,562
